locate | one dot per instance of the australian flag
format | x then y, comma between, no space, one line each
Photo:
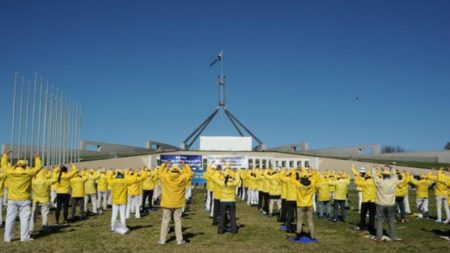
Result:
218,58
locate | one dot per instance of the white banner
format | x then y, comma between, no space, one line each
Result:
235,162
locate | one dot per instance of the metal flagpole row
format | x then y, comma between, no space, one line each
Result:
45,122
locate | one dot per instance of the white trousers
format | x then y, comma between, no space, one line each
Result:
1,210
255,197
133,206
407,206
359,201
109,198
24,209
44,208
314,203
93,198
208,200
422,206
442,200
53,198
116,211
188,193
249,196
211,213
102,200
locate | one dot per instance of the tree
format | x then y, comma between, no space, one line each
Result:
447,147
392,149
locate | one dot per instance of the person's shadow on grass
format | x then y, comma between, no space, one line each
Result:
137,227
53,229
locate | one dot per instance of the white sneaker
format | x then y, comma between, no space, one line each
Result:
438,221
161,242
27,240
182,242
419,216
446,221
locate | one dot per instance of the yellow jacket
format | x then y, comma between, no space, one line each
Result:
174,186
228,191
422,187
323,189
89,186
369,190
401,187
305,193
62,184
440,190
19,179
41,187
291,190
77,184
341,188
102,182
150,180
119,189
135,189
2,182
274,185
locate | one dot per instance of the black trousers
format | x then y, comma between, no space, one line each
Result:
260,200
227,208
77,202
147,194
283,210
291,209
367,207
62,202
216,211
266,202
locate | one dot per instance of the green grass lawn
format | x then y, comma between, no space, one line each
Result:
257,234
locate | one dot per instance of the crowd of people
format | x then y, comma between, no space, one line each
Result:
297,194
294,196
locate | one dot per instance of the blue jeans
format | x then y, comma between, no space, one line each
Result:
337,204
322,205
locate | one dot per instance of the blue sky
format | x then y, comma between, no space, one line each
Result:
294,68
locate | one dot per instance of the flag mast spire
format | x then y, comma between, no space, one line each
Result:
187,143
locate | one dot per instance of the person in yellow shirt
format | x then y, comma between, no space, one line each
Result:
77,185
148,186
368,206
119,190
41,186
400,195
102,191
324,196
340,196
306,187
291,199
133,205
228,181
423,185
19,195
90,190
440,191
173,183
62,188
2,193
274,188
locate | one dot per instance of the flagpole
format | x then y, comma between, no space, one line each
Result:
39,123
13,121
20,119
44,150
33,119
26,120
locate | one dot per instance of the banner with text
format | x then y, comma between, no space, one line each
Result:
195,161
235,162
